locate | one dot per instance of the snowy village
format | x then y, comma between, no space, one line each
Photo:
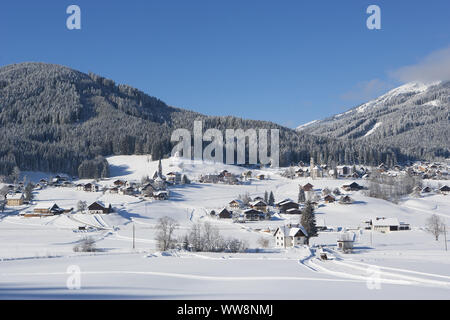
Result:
173,217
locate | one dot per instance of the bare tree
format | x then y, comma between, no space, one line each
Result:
86,245
81,206
165,239
263,242
435,226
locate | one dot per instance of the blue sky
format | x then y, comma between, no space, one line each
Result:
285,61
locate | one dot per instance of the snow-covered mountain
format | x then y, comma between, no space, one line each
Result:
410,116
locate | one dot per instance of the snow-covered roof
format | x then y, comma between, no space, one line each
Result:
254,203
14,196
386,222
45,205
291,231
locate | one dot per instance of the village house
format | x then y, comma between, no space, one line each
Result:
114,190
246,175
388,224
253,215
259,205
329,199
119,183
287,205
47,209
209,178
427,190
345,200
317,172
352,187
260,176
345,242
161,195
279,203
90,187
15,199
308,187
290,236
445,189
99,208
236,204
127,191
299,172
225,214
147,190
343,170
174,177
293,211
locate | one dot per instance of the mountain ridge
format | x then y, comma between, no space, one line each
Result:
54,119
412,115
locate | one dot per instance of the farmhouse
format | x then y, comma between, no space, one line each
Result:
15,199
259,205
287,205
236,204
246,174
388,224
345,200
90,187
352,187
127,191
119,183
445,190
279,203
329,199
99,208
47,209
253,215
174,177
161,195
225,214
308,187
288,236
293,211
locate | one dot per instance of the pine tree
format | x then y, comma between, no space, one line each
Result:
308,221
271,199
185,180
301,195
29,192
160,168
266,197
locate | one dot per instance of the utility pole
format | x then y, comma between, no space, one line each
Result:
134,234
445,237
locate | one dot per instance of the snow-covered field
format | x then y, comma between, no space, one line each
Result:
35,253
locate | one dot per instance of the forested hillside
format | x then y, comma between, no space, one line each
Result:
414,118
56,119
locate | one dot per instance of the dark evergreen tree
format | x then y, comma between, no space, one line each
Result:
308,221
301,195
271,199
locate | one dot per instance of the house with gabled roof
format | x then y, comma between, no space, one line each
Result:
15,199
259,205
290,236
47,209
99,207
